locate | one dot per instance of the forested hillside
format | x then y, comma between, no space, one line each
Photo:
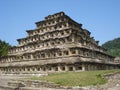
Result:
4,48
113,47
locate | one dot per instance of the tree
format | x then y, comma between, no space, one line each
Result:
4,47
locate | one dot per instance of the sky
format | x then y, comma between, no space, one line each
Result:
100,17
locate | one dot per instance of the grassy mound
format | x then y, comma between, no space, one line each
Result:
77,78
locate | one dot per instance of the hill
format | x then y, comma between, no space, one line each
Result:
113,47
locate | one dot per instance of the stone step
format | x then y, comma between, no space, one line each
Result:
36,85
40,88
15,84
5,87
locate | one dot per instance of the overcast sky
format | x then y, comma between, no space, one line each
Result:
100,17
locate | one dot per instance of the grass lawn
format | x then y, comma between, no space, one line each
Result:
85,78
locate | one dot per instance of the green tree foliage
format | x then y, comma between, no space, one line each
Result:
113,47
4,48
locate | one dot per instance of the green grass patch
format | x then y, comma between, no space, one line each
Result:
85,78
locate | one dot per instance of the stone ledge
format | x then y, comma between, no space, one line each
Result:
7,87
